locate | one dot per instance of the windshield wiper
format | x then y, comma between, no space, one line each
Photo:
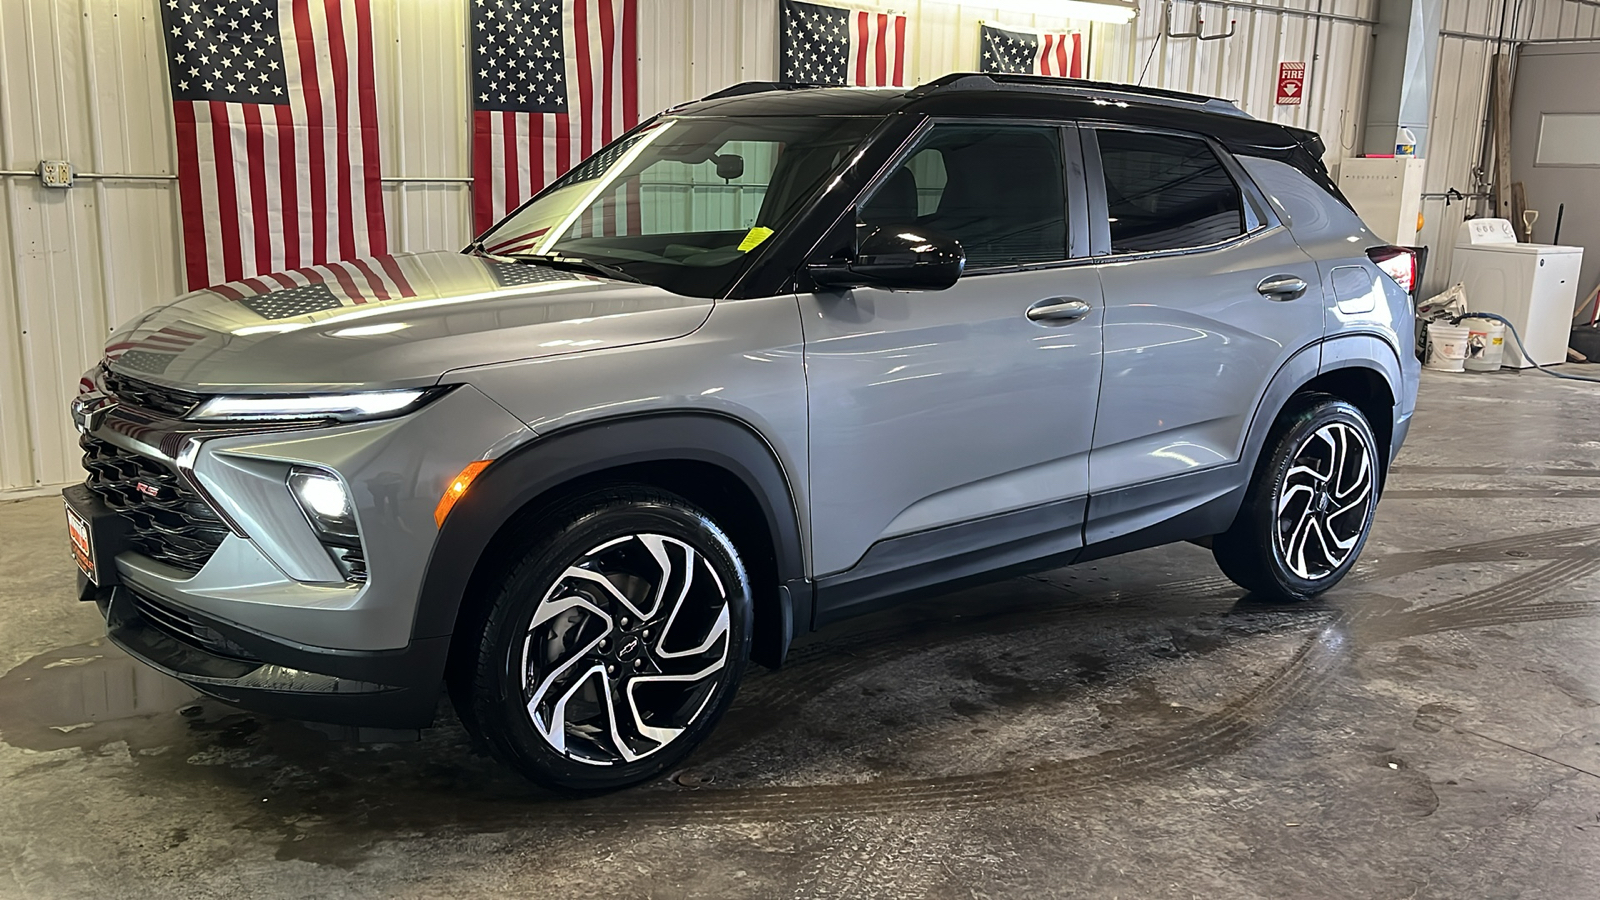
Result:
574,264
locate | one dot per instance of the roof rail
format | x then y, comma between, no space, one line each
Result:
979,81
758,87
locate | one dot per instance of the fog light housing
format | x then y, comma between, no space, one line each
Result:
326,503
329,508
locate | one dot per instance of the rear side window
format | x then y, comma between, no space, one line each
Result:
998,189
1165,192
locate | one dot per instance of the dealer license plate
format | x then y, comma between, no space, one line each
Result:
82,543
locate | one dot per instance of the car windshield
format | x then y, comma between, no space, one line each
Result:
680,203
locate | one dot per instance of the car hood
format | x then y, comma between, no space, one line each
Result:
387,322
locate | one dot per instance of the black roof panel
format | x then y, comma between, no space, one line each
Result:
971,94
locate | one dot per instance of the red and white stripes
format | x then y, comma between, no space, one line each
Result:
877,49
354,281
1060,54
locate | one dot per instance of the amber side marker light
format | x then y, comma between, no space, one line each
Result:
457,490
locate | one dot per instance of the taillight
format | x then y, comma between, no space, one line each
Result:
1399,263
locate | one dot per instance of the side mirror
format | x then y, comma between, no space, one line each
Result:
906,257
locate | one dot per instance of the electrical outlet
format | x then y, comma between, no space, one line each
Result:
55,173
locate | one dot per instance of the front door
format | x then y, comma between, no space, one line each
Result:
954,409
1194,329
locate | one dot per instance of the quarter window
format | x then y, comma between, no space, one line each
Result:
998,189
1165,192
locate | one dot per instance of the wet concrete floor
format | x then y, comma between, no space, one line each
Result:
1128,728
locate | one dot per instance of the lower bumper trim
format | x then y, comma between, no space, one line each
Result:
282,679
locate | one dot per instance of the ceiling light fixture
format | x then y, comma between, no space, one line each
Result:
1116,11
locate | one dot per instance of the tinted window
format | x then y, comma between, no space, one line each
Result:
1166,193
999,190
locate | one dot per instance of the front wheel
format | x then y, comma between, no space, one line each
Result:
615,644
1307,513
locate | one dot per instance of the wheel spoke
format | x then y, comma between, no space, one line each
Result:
627,753
1341,448
718,629
663,735
1360,479
1306,491
677,605
1303,471
1327,560
555,731
1295,551
606,585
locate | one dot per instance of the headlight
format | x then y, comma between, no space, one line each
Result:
354,407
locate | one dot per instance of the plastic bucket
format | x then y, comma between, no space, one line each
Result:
1486,344
1447,347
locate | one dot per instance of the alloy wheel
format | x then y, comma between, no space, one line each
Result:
1324,501
626,649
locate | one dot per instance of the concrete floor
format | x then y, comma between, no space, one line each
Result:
1128,728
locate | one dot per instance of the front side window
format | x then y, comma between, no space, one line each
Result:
679,204
1165,192
998,189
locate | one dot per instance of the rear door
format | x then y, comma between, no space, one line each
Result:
1206,296
954,409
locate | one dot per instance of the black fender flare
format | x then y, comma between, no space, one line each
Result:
1350,351
548,462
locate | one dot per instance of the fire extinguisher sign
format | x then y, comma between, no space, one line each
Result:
1291,83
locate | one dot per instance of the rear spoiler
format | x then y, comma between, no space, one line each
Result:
1308,140
1307,157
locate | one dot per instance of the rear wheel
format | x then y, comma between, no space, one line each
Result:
615,644
1308,511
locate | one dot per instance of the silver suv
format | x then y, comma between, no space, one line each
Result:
769,360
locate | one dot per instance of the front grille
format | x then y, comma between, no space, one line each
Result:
183,627
144,395
171,524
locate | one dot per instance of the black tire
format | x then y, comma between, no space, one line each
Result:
1295,535
611,728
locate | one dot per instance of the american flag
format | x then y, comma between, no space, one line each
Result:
150,352
273,297
300,292
553,81
277,132
830,45
1027,52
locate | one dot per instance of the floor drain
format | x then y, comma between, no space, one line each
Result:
692,779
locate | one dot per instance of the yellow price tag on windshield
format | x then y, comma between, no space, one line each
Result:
753,238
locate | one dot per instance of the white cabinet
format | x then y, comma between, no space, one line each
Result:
1533,285
1386,193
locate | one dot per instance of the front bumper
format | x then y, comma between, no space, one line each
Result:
266,621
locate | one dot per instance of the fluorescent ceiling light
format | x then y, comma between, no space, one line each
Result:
368,330
1098,10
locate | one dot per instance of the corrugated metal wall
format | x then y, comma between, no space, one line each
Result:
728,41
1470,32
84,80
